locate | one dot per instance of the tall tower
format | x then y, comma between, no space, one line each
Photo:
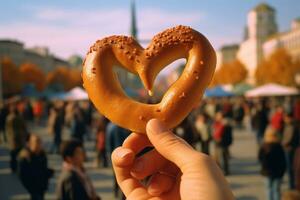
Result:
133,81
261,24
133,26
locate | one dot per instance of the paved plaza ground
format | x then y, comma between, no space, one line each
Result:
245,180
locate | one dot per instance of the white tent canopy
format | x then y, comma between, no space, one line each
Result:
271,90
77,94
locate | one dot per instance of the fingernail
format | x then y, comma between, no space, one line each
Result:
138,166
122,153
154,190
156,126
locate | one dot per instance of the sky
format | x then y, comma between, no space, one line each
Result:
69,27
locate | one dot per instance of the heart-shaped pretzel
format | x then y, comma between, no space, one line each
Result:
106,93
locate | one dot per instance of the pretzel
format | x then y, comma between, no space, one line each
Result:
107,95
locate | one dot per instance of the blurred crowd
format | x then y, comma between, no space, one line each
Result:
209,128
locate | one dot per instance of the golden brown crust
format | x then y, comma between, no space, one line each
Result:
179,42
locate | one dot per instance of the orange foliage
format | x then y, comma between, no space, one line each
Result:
11,77
31,73
230,73
68,78
75,77
278,68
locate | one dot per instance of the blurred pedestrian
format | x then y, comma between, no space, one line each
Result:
78,126
38,111
296,112
273,164
277,122
260,120
238,114
28,111
203,128
74,183
100,144
186,131
222,135
4,111
16,135
33,170
227,108
290,141
55,126
297,168
115,137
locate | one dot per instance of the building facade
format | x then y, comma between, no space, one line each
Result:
289,40
227,54
37,55
261,24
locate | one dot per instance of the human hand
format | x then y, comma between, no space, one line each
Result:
177,171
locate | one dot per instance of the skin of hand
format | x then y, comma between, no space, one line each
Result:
177,171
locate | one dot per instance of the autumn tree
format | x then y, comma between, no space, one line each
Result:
230,73
75,78
11,77
31,73
278,68
65,77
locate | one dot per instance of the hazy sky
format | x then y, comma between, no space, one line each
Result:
70,26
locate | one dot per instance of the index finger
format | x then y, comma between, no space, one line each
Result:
137,142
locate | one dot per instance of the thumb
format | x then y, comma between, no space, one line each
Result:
169,145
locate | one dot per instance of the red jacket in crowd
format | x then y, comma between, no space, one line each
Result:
277,121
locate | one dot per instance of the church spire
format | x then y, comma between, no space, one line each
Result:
133,27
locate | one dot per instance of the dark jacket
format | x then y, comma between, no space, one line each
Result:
70,187
272,159
78,128
290,138
33,171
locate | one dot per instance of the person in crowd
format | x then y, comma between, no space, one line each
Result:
238,114
88,114
260,120
69,112
100,144
115,137
276,121
74,183
55,126
290,141
247,115
4,111
297,168
222,135
296,112
210,108
273,164
28,111
186,131
204,130
32,168
16,135
287,105
78,125
226,108
38,111
177,171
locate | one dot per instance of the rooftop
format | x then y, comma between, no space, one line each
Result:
231,46
11,41
263,7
